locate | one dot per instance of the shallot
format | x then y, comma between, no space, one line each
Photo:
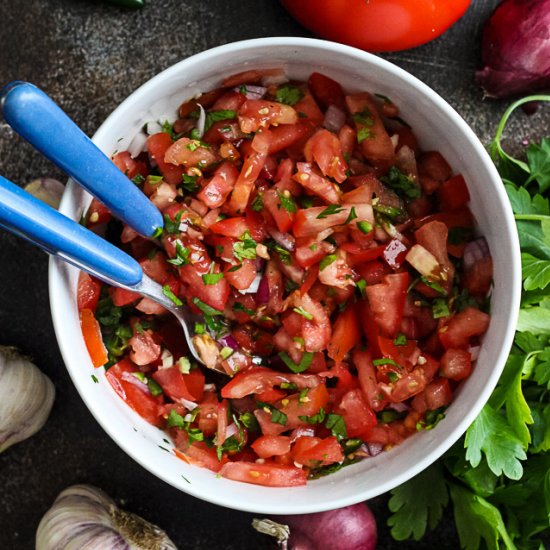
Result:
516,49
342,529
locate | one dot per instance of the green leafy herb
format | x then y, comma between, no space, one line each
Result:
329,211
245,248
199,328
361,285
172,226
335,423
440,308
318,418
287,202
363,134
303,365
352,215
289,95
216,116
403,185
276,415
400,340
138,179
433,285
364,117
190,183
258,203
384,361
238,306
182,255
248,420
154,388
283,253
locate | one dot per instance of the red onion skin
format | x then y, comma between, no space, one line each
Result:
342,529
262,295
516,49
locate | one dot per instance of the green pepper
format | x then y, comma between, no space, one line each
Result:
128,3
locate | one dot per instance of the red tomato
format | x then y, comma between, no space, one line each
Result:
453,194
92,338
463,326
283,217
218,188
122,297
324,147
259,113
267,446
243,277
456,364
320,453
180,386
358,416
387,302
87,292
259,379
267,474
198,453
97,214
326,91
477,279
378,25
144,348
157,145
367,380
285,135
438,394
135,394
129,166
345,335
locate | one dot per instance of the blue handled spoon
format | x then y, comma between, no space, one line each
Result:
37,118
60,236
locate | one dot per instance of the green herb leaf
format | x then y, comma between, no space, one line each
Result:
301,311
305,362
245,248
318,418
276,415
403,185
440,308
289,95
287,202
172,226
190,183
335,423
539,164
182,255
216,116
418,504
258,203
329,211
535,272
352,215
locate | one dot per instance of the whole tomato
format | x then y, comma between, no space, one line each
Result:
378,25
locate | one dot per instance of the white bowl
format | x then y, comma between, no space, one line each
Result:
438,127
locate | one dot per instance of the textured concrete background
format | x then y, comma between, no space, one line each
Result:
89,55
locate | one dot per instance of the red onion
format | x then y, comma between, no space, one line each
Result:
375,448
229,342
516,49
335,118
342,529
262,296
129,377
286,240
252,92
475,251
399,407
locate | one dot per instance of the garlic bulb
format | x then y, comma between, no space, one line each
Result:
85,518
48,190
26,397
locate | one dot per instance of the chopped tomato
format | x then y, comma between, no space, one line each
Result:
144,348
345,335
387,302
326,91
190,153
180,386
219,187
316,184
242,277
453,194
259,113
462,327
323,452
281,207
325,149
456,364
267,474
358,416
267,446
157,145
87,292
129,166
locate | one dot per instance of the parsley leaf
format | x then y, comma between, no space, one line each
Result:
245,248
329,211
491,434
536,272
212,278
403,185
303,365
205,308
216,116
335,423
289,95
190,183
182,255
167,291
418,503
287,202
539,164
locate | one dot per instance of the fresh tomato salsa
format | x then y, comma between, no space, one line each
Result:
334,261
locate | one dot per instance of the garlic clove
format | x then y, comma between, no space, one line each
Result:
26,397
85,518
48,190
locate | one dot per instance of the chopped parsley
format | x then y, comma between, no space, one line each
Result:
361,285
212,278
329,211
276,415
363,134
258,203
205,308
289,95
433,285
283,253
182,255
190,183
303,365
352,215
318,418
216,116
403,185
400,340
240,307
173,226
384,361
138,180
335,423
364,117
440,308
199,328
287,202
245,248
301,311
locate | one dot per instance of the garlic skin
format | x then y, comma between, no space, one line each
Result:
48,190
26,397
85,518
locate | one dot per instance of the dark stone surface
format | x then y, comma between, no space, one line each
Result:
89,56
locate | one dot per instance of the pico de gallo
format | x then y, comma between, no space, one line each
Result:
336,267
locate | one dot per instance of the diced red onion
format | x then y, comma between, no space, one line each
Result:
286,240
260,264
129,377
475,251
474,352
253,288
301,431
375,448
229,342
252,92
398,407
231,430
262,295
189,405
47,190
335,118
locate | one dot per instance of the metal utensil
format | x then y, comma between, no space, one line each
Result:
60,236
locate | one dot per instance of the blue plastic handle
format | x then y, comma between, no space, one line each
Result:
35,116
37,222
